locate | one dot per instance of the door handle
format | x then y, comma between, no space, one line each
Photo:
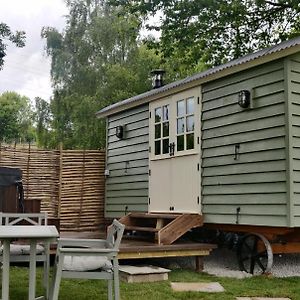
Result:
172,149
236,151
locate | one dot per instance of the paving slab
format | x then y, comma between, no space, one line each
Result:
207,287
148,273
260,298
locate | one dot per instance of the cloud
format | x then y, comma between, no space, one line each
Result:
27,70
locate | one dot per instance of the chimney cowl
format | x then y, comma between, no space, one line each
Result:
157,78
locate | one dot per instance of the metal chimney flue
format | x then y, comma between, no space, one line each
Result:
157,78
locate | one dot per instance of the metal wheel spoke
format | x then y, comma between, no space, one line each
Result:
252,265
247,246
261,265
245,258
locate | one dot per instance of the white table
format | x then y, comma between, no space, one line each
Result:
33,233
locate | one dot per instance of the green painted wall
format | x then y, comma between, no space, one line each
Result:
127,162
256,181
293,91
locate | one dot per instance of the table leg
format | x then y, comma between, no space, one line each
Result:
32,270
5,270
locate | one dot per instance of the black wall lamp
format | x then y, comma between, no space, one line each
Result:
244,98
120,132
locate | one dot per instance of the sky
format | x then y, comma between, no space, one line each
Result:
27,70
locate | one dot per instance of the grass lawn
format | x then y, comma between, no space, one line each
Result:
96,289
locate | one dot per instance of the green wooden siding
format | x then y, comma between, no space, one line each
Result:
256,180
127,162
294,115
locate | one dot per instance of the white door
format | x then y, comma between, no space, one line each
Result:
174,181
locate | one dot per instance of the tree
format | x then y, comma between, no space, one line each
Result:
96,61
43,120
18,38
15,118
197,34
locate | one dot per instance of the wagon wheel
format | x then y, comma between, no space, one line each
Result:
255,254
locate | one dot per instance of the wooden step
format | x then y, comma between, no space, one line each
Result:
139,228
178,227
167,227
154,216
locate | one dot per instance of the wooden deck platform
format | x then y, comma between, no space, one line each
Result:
141,249
136,249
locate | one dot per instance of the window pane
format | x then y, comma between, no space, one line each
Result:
180,108
165,146
166,113
190,141
157,114
180,125
157,148
157,131
190,124
165,129
180,143
190,106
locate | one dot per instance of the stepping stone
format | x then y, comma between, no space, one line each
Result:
260,298
207,287
132,274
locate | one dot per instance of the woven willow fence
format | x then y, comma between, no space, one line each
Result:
69,183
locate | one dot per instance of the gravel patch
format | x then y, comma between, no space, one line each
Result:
223,263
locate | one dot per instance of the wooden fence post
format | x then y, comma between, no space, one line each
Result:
60,179
81,189
28,165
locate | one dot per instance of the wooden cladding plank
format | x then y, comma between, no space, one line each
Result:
128,171
242,80
143,131
245,116
127,142
137,185
247,147
127,116
268,155
278,221
127,193
124,209
127,164
127,179
246,209
253,125
253,188
127,157
254,167
245,137
135,124
295,65
240,199
225,103
128,200
244,75
245,178
129,149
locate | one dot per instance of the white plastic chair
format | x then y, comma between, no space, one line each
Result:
20,252
90,259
